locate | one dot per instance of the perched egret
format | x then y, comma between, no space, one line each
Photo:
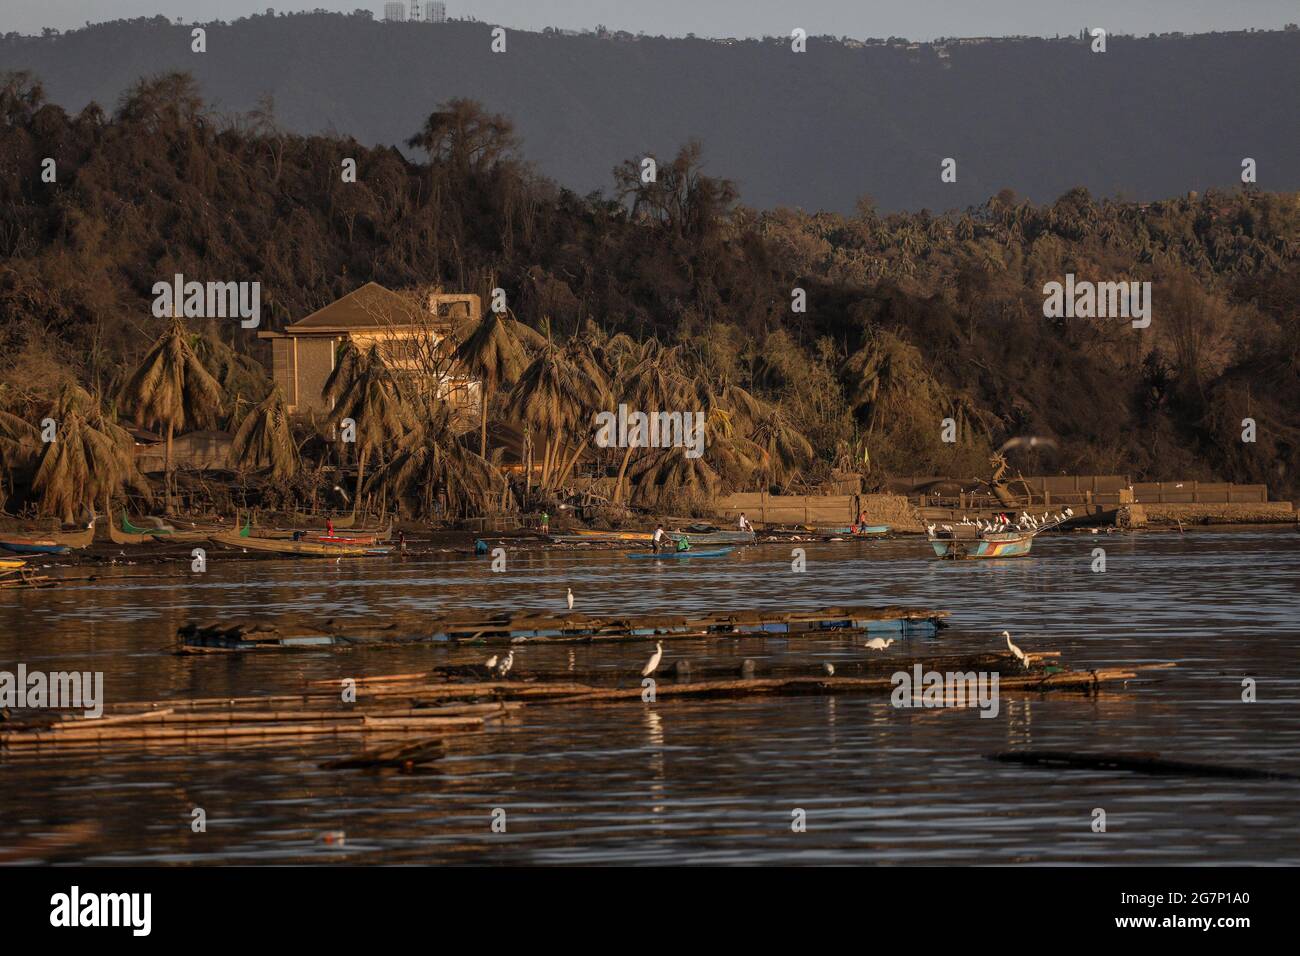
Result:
878,643
653,663
504,667
1020,655
829,669
570,597
491,662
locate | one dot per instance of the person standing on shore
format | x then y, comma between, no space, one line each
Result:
329,527
744,523
658,538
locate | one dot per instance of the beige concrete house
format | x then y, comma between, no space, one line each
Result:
410,330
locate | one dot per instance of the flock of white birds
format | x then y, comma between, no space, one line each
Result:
1003,524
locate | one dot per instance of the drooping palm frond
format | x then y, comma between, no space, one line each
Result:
363,388
668,474
265,440
90,461
431,463
172,388
495,352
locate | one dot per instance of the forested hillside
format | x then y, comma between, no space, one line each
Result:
910,318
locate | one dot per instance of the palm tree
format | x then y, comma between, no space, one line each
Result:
554,395
430,459
363,388
265,439
90,460
495,353
655,383
172,388
19,443
589,359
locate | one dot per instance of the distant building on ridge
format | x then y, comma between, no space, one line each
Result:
395,11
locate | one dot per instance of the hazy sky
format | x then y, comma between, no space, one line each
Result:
916,19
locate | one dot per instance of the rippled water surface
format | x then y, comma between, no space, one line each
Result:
707,781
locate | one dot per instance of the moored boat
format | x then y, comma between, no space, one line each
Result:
296,548
56,542
319,535
132,534
1004,544
25,545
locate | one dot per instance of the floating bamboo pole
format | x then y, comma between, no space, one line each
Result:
1136,763
531,627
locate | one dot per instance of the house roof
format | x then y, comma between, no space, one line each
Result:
369,307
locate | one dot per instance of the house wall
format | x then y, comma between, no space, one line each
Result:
284,369
315,362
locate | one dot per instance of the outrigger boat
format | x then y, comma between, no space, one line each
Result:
971,541
33,546
131,534
666,555
694,534
317,535
59,542
1006,544
297,548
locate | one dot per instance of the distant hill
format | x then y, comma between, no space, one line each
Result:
1147,119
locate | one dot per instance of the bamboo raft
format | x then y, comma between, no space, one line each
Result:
236,721
428,708
533,628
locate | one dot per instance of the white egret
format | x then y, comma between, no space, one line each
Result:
653,663
504,667
1020,655
829,669
878,643
491,662
570,597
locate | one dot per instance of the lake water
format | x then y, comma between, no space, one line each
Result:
707,781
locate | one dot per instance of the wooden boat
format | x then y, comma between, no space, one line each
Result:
315,534
28,545
1001,544
667,555
861,529
55,542
11,564
296,548
715,536
133,535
